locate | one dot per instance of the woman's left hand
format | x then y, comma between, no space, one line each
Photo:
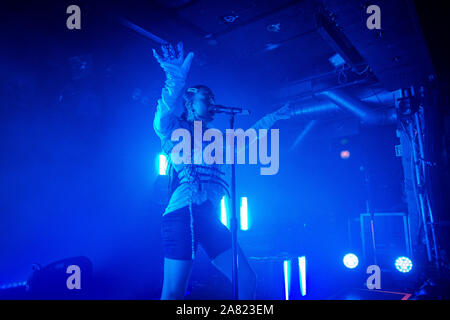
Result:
174,63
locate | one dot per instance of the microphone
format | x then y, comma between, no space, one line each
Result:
217,108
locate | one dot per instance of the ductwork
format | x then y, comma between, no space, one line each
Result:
362,110
328,104
316,109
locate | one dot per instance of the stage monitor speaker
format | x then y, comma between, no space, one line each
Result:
64,279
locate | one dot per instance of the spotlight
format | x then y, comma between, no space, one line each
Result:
351,260
337,60
345,154
302,274
403,264
244,213
287,278
162,164
223,211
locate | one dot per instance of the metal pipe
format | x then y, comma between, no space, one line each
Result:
422,178
359,108
420,190
316,109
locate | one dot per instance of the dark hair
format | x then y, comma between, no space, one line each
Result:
189,94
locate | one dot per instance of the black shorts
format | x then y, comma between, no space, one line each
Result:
182,233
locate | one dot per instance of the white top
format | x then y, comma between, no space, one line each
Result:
198,183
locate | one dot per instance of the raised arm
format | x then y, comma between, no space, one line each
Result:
176,68
265,122
269,120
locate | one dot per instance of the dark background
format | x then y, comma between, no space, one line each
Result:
78,151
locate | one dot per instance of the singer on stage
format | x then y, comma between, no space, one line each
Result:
190,217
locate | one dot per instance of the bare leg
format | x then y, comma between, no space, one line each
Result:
176,276
246,276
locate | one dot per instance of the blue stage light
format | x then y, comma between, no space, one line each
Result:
223,212
162,164
13,285
302,274
345,154
287,278
244,214
337,60
403,264
351,260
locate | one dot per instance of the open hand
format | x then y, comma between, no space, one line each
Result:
174,64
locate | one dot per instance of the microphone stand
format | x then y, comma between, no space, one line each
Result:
232,112
234,220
